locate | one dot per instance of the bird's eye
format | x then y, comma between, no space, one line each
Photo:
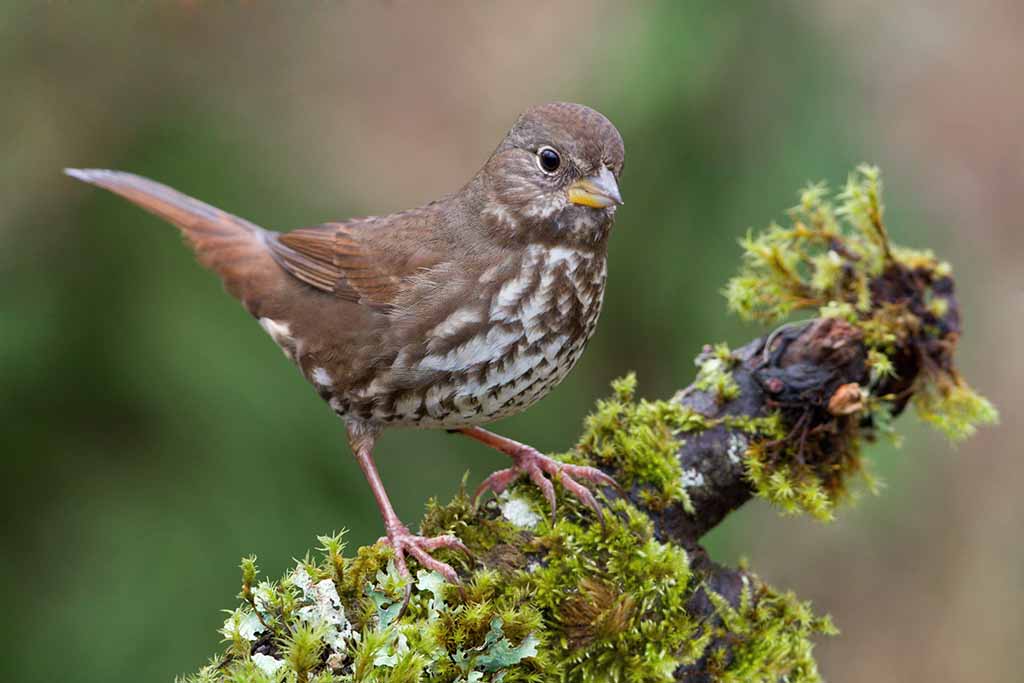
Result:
548,159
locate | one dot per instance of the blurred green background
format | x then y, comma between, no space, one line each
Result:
153,434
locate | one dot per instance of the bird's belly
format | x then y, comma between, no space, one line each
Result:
510,385
507,353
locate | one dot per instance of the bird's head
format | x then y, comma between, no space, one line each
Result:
556,172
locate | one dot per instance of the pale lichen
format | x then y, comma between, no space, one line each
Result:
518,510
692,479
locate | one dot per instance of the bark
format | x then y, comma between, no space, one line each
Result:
810,373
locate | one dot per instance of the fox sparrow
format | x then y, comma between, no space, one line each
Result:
452,315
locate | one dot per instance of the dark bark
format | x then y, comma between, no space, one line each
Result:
811,374
795,370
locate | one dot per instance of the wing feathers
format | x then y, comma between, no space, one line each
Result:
307,254
333,258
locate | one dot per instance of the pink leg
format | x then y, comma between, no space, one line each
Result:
399,537
535,465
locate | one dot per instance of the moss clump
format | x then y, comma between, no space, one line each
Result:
767,427
828,254
835,259
954,408
607,604
638,440
565,599
767,635
790,484
315,624
618,596
714,373
797,488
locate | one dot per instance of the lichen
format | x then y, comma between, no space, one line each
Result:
835,260
518,510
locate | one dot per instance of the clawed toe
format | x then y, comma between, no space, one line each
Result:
403,542
536,465
497,482
593,474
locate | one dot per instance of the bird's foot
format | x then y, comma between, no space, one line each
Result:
404,542
532,463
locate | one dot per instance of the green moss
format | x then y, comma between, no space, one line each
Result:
459,517
835,259
607,604
714,373
954,408
639,440
565,599
765,427
825,258
788,486
619,598
768,635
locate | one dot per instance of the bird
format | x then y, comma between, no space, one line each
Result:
452,315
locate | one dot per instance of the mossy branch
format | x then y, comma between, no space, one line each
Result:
635,597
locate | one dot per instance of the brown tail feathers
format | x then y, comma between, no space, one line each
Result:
231,246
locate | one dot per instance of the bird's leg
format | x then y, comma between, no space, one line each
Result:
530,462
399,537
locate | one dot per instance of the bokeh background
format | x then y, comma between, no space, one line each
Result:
152,434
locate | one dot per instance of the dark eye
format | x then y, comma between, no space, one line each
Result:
548,159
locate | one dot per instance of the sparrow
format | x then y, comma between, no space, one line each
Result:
452,315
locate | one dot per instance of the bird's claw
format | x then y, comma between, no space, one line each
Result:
535,465
403,542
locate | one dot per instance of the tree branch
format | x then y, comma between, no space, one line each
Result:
802,366
636,597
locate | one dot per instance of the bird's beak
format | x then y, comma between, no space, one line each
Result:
597,191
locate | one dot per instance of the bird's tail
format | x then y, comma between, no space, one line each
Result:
231,246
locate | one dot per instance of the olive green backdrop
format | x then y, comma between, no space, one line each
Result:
153,434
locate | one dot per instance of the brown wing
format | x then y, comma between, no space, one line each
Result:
367,262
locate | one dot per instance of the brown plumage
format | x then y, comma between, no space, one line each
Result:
451,315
